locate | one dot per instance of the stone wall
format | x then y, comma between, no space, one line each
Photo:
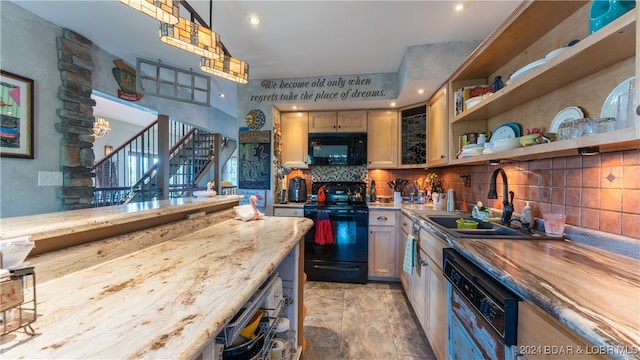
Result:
76,120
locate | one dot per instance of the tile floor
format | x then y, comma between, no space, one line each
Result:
352,321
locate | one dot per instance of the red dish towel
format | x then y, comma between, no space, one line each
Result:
324,230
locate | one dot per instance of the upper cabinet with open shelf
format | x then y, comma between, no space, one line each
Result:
581,75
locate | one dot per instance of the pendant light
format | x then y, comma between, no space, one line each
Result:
166,11
192,37
226,67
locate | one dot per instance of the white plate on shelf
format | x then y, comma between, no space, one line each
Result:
503,132
610,105
525,69
569,113
555,53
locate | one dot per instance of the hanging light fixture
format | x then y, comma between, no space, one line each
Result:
192,37
101,127
167,11
226,67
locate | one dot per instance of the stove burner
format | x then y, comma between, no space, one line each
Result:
338,193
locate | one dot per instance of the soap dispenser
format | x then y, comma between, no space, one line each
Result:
526,215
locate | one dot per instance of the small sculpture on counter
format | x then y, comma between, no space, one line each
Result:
248,212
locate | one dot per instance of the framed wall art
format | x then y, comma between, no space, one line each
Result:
16,113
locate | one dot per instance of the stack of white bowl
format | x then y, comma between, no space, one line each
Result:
506,144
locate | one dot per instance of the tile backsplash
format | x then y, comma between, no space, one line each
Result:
339,173
599,192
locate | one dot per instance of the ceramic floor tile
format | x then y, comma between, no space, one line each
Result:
365,346
408,337
355,321
360,301
322,337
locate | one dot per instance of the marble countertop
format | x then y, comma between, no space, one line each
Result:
164,301
594,292
42,226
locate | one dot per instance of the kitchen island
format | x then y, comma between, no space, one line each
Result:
167,300
593,292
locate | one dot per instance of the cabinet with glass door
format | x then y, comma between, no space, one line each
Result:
413,137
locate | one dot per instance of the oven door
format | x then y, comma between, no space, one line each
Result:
337,248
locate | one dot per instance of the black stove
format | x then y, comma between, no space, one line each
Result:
336,247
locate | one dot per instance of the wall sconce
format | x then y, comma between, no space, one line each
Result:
101,127
589,150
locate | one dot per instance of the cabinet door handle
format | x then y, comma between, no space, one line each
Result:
423,263
382,218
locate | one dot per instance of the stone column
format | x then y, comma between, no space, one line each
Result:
76,120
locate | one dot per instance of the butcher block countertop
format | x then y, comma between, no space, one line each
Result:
167,300
594,292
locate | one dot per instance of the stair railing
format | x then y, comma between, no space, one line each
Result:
130,172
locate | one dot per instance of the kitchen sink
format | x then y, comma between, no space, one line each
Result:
449,222
485,230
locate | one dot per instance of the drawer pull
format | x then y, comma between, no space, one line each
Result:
382,218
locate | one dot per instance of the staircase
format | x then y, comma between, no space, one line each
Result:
133,172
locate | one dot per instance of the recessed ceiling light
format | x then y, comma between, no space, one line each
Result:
420,91
294,107
222,95
254,20
458,7
393,104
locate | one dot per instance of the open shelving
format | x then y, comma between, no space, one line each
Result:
534,29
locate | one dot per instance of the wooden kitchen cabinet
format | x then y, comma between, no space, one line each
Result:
382,139
340,121
419,283
436,322
382,244
582,75
295,139
288,211
406,225
437,308
438,129
541,336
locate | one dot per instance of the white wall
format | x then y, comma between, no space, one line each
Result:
28,48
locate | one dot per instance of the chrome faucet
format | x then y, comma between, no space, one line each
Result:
507,210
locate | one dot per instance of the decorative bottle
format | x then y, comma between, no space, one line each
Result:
526,215
372,191
497,84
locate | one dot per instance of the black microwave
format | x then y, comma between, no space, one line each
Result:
338,149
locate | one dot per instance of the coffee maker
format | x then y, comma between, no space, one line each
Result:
297,190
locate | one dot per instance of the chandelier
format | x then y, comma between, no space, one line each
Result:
101,127
166,11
